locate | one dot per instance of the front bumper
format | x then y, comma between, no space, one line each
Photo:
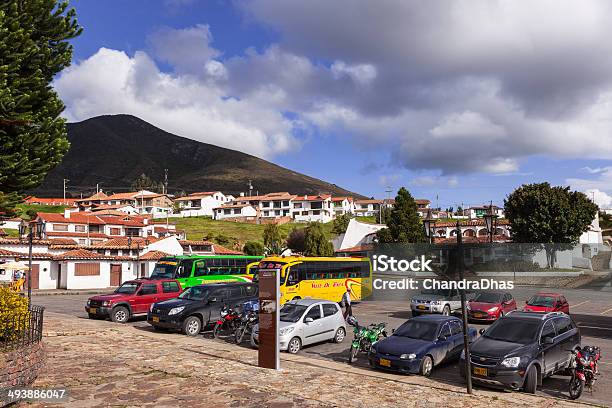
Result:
394,363
283,341
165,321
496,377
483,316
98,310
426,308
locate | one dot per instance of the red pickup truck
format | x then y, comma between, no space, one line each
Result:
133,297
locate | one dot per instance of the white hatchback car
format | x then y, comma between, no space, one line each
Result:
307,321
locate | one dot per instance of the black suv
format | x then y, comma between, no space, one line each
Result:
521,348
199,306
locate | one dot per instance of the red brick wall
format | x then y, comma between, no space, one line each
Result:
20,367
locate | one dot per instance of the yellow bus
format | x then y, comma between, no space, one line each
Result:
321,277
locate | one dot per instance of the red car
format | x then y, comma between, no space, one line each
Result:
490,306
544,302
132,298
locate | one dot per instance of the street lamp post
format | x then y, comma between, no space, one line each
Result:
428,224
464,319
490,222
33,229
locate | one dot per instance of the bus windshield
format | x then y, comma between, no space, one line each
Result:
164,270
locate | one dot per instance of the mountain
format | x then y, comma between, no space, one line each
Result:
112,151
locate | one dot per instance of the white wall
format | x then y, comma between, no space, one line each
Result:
169,245
88,282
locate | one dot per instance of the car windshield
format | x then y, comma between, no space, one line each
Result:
128,288
195,293
438,292
513,331
164,270
291,312
544,301
418,329
485,297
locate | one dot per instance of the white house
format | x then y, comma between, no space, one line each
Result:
343,205
316,208
228,211
367,207
480,211
202,203
593,234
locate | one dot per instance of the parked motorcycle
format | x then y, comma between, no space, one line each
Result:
583,369
245,325
226,324
364,337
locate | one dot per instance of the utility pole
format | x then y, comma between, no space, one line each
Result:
388,191
97,188
250,185
65,181
165,181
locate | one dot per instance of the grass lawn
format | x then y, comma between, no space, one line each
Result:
12,233
200,227
23,208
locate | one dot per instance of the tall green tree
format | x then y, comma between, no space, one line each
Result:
316,243
253,248
34,47
144,182
541,213
273,240
340,224
403,222
296,240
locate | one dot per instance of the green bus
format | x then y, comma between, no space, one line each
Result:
192,270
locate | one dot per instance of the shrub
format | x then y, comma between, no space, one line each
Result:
253,248
14,314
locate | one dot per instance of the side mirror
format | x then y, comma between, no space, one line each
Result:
213,300
441,337
481,331
548,340
308,320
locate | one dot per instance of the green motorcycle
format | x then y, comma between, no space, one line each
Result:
364,337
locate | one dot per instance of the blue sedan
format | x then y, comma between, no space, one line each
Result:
420,344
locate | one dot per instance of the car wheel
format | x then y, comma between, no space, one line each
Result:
426,366
192,326
446,311
120,314
531,382
340,335
294,345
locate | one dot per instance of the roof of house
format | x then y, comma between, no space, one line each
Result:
334,199
320,197
369,201
470,223
98,196
76,234
4,252
124,243
153,256
81,254
197,195
231,206
482,239
50,201
221,250
421,201
187,242
86,217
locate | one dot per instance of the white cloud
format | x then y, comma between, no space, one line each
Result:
598,189
601,198
434,181
111,82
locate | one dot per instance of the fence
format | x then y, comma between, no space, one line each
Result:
22,330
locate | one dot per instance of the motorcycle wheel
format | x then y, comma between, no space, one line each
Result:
219,330
240,331
575,388
353,354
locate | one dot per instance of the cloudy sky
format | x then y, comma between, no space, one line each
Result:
460,100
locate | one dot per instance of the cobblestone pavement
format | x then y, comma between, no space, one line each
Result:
105,364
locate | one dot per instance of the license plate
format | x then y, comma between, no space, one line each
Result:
384,362
478,315
155,319
480,371
421,307
92,310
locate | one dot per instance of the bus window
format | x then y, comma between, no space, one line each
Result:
293,277
200,268
184,269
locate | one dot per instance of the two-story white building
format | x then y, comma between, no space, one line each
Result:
229,211
343,205
367,207
317,208
202,203
480,211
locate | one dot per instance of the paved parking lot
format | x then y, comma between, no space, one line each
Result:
591,309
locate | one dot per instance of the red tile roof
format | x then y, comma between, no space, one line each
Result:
81,254
334,199
50,201
231,206
320,197
153,256
76,234
122,243
4,252
98,196
470,223
483,239
369,201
